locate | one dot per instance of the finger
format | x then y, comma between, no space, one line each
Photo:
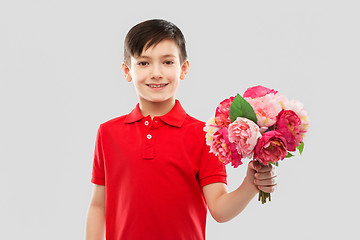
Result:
266,168
267,189
266,182
255,165
265,175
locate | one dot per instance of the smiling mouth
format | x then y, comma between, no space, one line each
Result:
157,85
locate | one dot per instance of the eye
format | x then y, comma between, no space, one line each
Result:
168,62
142,63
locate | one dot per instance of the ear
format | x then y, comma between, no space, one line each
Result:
126,71
184,69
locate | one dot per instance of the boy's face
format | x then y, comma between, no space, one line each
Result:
156,73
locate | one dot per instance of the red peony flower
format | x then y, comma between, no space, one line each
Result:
289,124
258,91
271,147
222,118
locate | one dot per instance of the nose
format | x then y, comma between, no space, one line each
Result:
156,72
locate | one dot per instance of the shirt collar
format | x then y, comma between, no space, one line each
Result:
174,117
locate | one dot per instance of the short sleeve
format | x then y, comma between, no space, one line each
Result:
98,173
211,169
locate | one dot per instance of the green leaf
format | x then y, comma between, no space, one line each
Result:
300,147
289,155
241,108
274,163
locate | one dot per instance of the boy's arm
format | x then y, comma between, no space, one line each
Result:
224,206
95,223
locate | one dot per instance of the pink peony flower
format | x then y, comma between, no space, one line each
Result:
299,109
258,91
244,133
224,149
288,124
210,128
279,98
222,117
271,147
266,109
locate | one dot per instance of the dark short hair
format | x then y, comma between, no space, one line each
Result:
149,33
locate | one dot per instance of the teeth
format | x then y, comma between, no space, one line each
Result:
157,86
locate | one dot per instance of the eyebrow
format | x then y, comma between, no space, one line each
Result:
162,56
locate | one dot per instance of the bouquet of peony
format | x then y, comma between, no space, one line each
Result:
262,124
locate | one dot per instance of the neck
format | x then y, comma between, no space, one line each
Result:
156,108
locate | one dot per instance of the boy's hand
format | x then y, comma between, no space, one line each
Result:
263,177
224,206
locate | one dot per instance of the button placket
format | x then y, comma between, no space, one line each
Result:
148,147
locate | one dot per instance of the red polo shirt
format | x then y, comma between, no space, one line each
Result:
153,172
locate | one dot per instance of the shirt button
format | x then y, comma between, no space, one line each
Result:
146,123
148,136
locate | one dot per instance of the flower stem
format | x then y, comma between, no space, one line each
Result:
263,196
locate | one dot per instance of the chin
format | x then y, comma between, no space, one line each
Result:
158,100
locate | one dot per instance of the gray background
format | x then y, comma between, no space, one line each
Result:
60,72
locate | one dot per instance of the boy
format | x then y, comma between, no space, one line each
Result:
154,176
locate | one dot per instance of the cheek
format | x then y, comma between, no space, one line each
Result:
173,73
139,76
